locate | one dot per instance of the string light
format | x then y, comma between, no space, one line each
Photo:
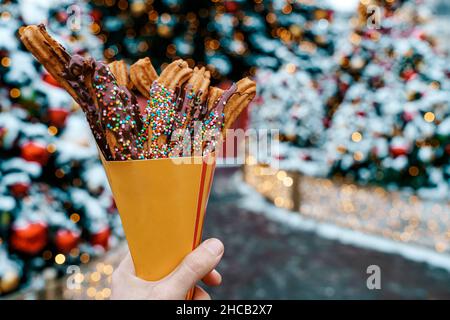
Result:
429,116
356,136
6,62
84,258
394,215
60,258
52,130
14,93
75,217
51,147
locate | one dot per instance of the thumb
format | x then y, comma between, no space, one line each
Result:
196,265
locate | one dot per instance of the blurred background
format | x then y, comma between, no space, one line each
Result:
360,91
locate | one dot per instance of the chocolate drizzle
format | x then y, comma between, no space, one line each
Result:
111,110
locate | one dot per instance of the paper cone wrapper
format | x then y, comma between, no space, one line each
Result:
162,205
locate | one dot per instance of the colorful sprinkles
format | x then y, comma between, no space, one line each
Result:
159,117
119,116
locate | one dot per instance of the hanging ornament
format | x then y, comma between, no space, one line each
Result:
231,6
408,74
66,240
9,273
62,16
30,238
36,152
101,238
19,189
58,116
398,150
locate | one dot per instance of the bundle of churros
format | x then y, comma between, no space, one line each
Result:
184,115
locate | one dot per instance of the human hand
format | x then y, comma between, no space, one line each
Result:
196,266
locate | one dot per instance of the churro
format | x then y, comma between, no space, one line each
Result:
160,111
111,110
142,75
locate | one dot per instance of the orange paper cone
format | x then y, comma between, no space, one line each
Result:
162,205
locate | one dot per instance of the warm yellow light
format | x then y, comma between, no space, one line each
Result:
79,278
14,93
271,17
413,171
51,148
279,201
358,156
6,62
91,292
429,116
251,161
84,258
356,136
75,217
99,296
96,276
291,68
287,9
52,130
75,252
106,292
60,258
288,181
59,173
281,174
108,269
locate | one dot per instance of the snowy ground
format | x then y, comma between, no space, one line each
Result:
271,254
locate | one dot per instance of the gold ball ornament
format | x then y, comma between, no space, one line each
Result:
9,281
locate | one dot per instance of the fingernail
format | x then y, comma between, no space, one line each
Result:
214,246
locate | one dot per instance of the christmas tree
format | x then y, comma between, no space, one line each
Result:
392,127
231,37
55,205
292,97
379,114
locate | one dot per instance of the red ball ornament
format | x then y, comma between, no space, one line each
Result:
19,189
66,240
58,116
101,238
62,16
397,151
408,74
231,6
96,15
361,114
29,239
408,116
36,152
